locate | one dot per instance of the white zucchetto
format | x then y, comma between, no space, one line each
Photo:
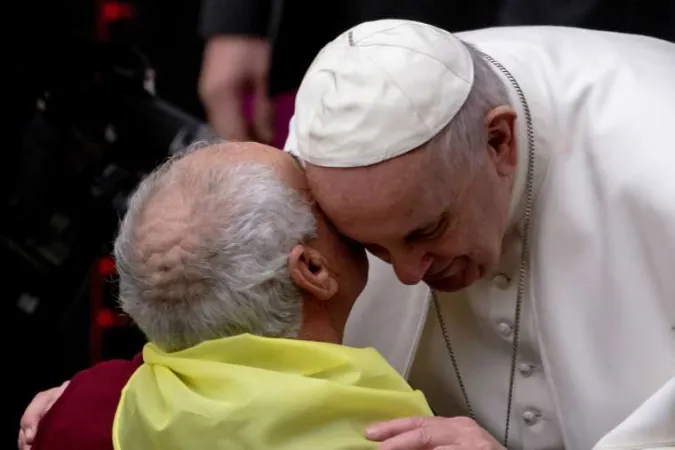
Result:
379,90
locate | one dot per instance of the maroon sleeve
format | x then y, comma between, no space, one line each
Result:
82,417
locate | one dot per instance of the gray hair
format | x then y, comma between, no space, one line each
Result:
231,276
464,140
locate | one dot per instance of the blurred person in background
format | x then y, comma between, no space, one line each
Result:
258,50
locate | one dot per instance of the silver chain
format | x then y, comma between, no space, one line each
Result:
524,259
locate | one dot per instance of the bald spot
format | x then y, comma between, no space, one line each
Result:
176,224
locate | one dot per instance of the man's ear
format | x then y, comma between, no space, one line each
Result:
500,126
309,272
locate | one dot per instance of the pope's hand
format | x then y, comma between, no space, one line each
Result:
38,407
432,433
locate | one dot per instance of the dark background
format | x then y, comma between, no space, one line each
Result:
46,308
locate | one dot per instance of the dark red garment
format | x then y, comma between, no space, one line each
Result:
82,418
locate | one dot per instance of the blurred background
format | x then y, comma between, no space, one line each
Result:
100,91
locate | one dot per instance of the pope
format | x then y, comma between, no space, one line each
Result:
519,182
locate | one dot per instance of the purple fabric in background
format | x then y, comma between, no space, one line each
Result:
284,105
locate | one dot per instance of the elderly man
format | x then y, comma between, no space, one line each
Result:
220,257
519,181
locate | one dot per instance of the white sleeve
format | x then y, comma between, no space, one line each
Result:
651,426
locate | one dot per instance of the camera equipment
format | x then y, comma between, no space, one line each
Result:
95,130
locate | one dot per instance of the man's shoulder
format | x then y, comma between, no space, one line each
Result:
552,32
562,47
83,416
522,33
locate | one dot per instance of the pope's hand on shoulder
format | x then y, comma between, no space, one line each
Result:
39,406
432,433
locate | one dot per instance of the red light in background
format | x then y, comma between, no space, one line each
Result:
109,12
106,267
114,11
105,319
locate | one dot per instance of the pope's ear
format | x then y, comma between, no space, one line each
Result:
500,127
309,272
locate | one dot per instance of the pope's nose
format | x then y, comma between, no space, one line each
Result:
411,270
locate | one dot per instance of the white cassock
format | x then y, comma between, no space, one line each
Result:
596,366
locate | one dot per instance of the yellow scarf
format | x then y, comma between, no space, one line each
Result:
249,392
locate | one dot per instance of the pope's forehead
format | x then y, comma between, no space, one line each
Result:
393,178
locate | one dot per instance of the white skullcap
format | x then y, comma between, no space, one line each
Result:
378,91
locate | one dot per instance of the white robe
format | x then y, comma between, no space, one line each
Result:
597,360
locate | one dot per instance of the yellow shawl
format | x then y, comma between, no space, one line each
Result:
249,392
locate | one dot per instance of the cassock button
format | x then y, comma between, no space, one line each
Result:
531,417
501,281
526,369
505,329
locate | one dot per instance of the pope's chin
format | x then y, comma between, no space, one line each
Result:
464,278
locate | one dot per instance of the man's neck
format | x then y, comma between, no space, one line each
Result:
317,324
